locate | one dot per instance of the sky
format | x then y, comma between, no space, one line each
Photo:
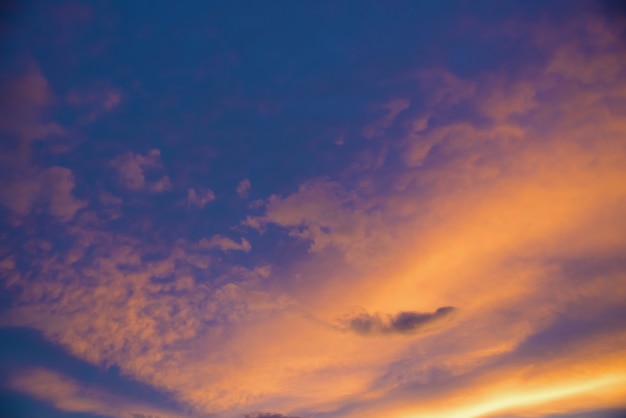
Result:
313,209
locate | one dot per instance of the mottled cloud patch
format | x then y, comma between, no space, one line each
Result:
152,310
52,188
141,172
406,322
243,188
224,243
325,214
198,197
24,100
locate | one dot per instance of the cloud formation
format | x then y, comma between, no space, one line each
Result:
51,187
136,293
501,192
199,197
25,97
25,101
132,170
323,213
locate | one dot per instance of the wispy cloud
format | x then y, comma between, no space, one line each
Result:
96,101
68,395
393,108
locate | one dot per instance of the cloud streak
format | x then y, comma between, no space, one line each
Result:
68,395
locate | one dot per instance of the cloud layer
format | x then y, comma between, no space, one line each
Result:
459,253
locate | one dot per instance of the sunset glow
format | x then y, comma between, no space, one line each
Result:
313,209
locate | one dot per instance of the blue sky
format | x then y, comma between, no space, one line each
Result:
312,209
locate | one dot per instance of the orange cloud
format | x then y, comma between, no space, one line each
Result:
485,215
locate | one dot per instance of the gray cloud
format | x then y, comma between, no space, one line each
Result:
401,323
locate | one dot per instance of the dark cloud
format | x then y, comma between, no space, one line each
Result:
401,323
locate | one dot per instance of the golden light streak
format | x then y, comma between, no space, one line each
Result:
523,400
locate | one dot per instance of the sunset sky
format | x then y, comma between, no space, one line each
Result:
313,209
